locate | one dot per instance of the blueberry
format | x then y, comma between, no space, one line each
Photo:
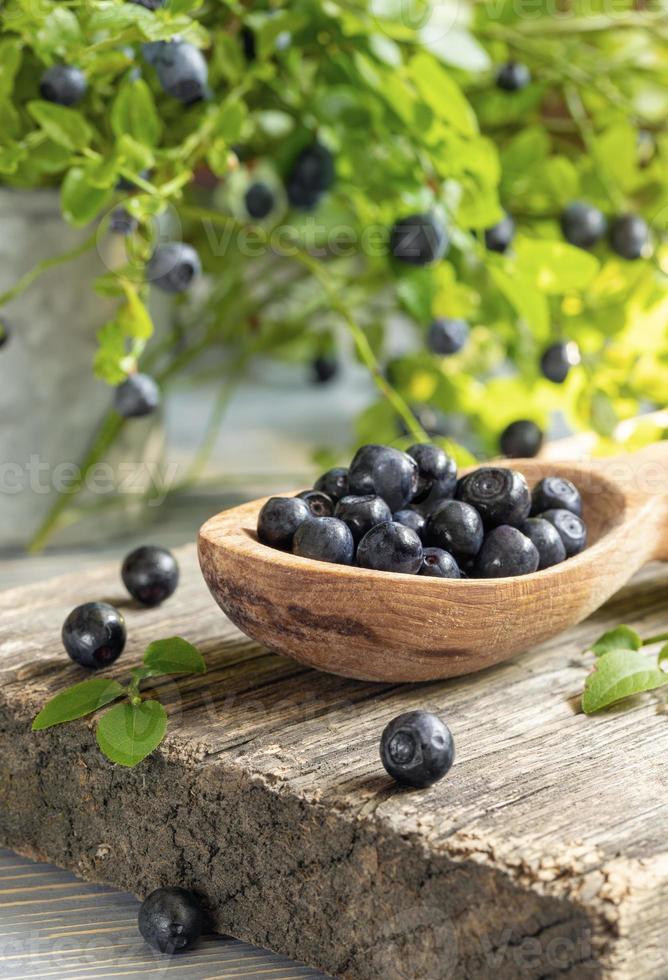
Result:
149,4
319,503
182,70
94,634
556,493
417,749
546,538
413,519
629,236
325,368
170,919
361,513
500,496
437,472
279,519
385,471
334,482
121,222
447,336
513,76
572,529
418,239
520,439
506,552
558,359
325,539
248,43
5,332
150,574
259,200
390,547
438,563
456,527
63,84
311,174
173,267
138,395
583,224
499,236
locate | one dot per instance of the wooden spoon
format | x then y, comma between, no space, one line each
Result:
389,627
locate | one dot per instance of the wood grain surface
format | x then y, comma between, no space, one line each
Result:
542,854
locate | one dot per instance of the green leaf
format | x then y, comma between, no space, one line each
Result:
107,363
619,638
663,654
442,94
134,317
64,126
10,60
619,674
134,114
528,302
174,656
555,267
129,732
229,119
80,200
77,701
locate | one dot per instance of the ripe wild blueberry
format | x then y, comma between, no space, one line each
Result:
499,236
361,513
417,749
94,634
325,368
583,225
259,200
558,360
319,503
182,70
506,552
121,222
556,493
513,76
334,482
418,239
522,438
170,919
385,471
63,84
279,519
457,528
550,547
572,529
437,563
325,539
447,336
390,547
500,496
311,175
629,236
137,396
437,472
413,519
150,574
173,267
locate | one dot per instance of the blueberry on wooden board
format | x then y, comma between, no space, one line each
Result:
521,439
319,503
63,84
506,552
437,472
629,236
418,239
546,538
437,563
456,527
259,200
173,267
325,539
170,919
279,519
447,336
572,529
137,396
390,547
334,482
94,634
558,359
182,70
362,512
583,224
417,749
385,471
501,496
513,76
556,492
413,519
150,574
499,237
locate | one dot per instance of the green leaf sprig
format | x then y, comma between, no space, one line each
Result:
622,669
129,731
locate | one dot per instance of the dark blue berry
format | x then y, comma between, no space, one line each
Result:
572,529
325,539
500,496
182,70
325,368
385,471
555,492
506,552
558,360
499,236
361,513
583,224
334,482
319,503
417,749
259,200
121,222
513,76
437,473
150,574
279,519
94,634
456,527
311,174
170,919
63,84
418,239
629,236
248,43
447,336
521,439
413,519
546,538
437,563
173,267
138,395
390,547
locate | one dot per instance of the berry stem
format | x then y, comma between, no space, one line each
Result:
52,262
659,638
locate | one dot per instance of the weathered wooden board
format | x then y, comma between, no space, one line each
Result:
542,854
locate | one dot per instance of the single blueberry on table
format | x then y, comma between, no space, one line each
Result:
500,496
413,519
437,563
506,552
259,200
361,513
319,503
546,538
170,919
150,574
572,529
555,492
419,239
311,175
279,519
629,236
63,84
182,70
173,267
583,224
499,237
513,76
137,396
521,439
437,472
457,528
325,368
325,539
558,359
334,482
447,336
417,749
390,547
385,471
94,634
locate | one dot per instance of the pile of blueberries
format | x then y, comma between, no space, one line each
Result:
395,511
